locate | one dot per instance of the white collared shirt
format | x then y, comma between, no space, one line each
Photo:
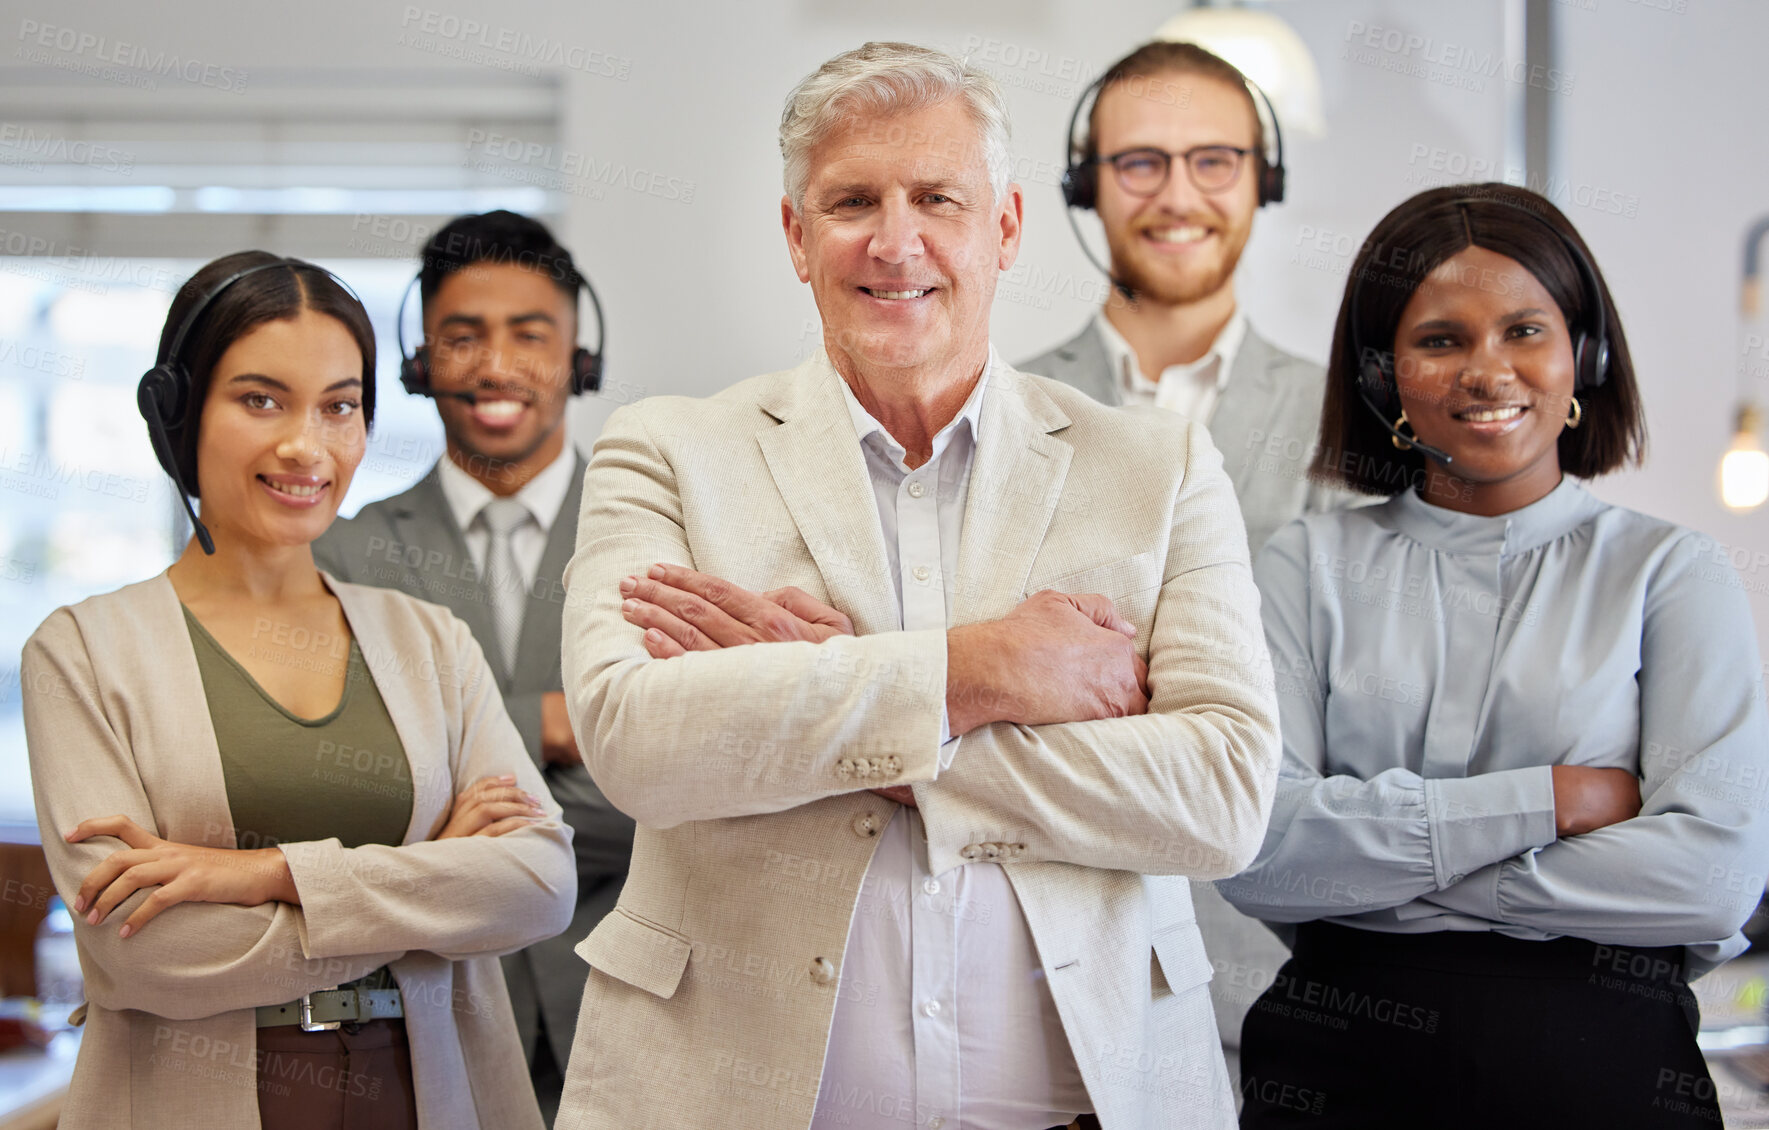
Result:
943,1018
1192,389
543,495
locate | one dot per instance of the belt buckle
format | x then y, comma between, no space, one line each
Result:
308,1023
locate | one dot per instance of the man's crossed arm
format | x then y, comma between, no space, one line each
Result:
1055,658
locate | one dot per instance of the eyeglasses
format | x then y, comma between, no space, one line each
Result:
1144,172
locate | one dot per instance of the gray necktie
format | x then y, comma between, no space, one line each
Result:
502,518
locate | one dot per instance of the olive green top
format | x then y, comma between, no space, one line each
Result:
292,779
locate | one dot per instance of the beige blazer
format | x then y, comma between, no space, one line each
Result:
713,983
117,722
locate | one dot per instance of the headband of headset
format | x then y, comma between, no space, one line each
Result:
1081,176
1590,342
586,364
164,389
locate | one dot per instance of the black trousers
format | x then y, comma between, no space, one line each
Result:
1475,1030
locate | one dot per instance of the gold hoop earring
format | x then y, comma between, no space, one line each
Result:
1397,440
1578,414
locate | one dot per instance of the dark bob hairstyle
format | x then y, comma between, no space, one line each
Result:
1409,243
263,296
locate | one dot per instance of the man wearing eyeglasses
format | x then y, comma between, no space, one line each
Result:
1177,155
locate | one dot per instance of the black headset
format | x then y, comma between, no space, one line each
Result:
586,364
1081,177
1590,342
165,389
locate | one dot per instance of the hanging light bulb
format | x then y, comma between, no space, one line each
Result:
1265,49
1744,470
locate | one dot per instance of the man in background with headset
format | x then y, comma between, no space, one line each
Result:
487,533
1173,160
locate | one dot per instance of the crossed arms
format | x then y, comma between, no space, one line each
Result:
1071,744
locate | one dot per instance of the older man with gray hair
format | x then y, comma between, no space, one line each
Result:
927,683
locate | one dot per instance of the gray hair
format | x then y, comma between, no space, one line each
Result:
884,79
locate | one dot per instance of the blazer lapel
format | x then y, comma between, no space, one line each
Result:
397,666
537,649
1016,482
817,466
1248,403
182,750
428,523
1095,364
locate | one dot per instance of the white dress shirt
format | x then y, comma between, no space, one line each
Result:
943,1019
543,495
1192,389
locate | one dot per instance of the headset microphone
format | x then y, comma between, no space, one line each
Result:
1374,372
465,394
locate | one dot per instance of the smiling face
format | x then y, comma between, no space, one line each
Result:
1485,371
901,239
281,431
506,333
1181,245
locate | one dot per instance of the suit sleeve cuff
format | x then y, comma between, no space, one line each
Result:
1476,821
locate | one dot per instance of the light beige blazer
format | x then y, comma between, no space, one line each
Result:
713,983
117,722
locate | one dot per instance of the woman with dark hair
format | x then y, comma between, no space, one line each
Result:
1525,746
292,819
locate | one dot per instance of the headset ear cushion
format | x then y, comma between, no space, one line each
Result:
414,371
586,371
1271,185
1377,384
160,396
1081,186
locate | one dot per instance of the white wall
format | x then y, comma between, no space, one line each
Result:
1668,110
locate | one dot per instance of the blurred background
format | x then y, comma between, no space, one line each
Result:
138,141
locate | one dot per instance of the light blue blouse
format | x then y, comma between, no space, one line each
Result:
1432,666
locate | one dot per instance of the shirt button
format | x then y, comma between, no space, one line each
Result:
931,886
935,1122
866,825
931,1008
916,490
922,572
822,971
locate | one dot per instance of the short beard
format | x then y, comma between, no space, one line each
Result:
1165,291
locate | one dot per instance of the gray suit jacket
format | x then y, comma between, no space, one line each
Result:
412,543
1265,424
